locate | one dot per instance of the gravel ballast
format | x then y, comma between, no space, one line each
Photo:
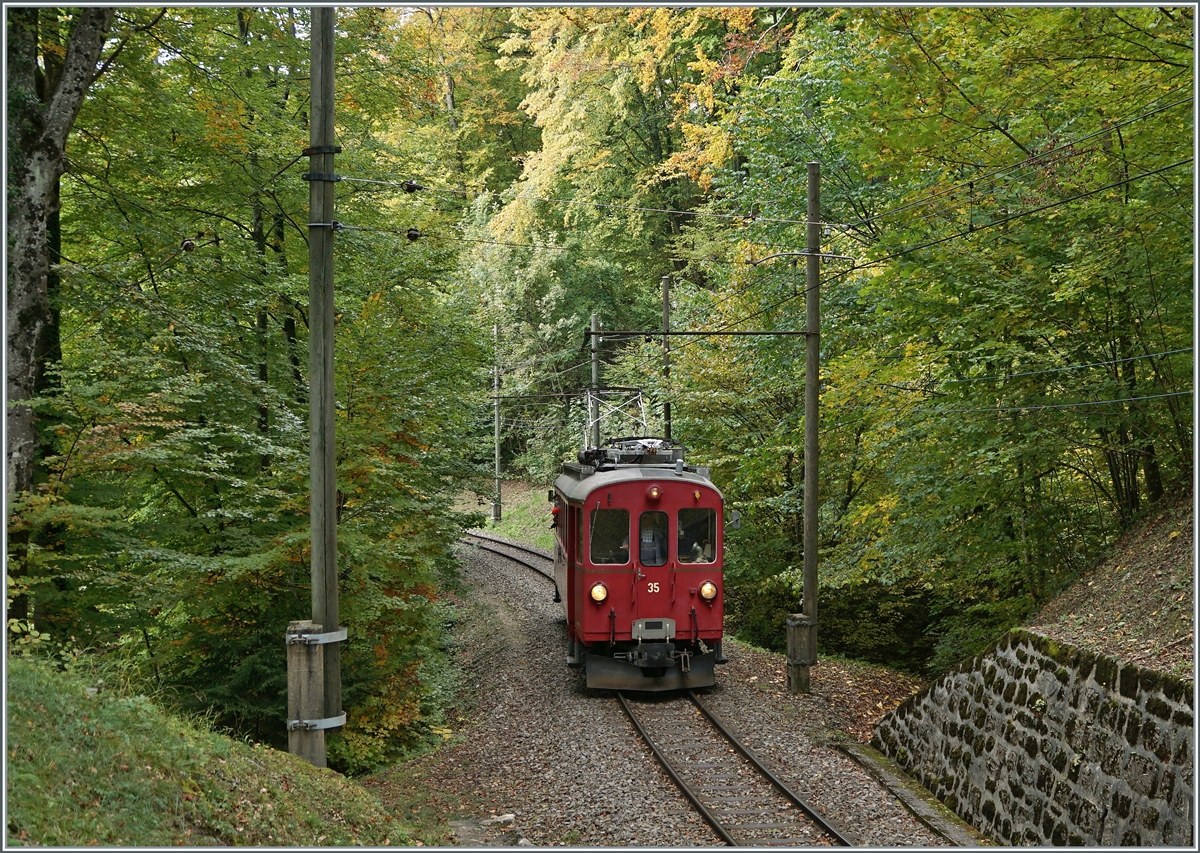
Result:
538,759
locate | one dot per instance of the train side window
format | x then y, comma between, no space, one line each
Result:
577,534
698,535
652,539
610,536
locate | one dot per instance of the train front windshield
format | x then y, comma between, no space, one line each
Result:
698,535
609,536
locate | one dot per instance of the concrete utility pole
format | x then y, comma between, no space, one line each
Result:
594,401
666,287
802,627
314,672
496,391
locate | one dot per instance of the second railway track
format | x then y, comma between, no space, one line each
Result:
744,803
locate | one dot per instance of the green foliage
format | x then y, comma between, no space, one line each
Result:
883,623
171,526
757,611
977,446
586,228
969,629
476,132
1005,362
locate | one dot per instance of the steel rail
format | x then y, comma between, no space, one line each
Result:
500,553
534,551
839,834
708,816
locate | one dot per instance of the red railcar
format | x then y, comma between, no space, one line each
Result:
637,563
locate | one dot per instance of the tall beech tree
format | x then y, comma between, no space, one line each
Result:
46,90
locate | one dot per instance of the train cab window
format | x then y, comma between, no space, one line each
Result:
698,535
652,539
610,536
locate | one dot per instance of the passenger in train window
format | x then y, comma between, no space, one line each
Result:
652,539
699,524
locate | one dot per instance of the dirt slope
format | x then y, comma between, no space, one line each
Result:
1138,605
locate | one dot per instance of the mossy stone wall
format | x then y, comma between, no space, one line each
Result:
1037,743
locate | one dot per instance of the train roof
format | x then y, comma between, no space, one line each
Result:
624,460
578,481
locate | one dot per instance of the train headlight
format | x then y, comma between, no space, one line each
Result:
708,590
654,492
599,592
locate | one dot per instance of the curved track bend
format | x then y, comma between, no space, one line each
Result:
740,798
482,538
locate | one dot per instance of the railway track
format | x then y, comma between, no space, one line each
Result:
481,538
742,800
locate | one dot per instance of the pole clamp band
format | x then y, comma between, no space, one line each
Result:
321,149
806,663
316,639
321,176
316,725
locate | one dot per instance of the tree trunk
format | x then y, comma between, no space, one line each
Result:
37,134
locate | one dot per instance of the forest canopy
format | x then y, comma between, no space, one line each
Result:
1007,311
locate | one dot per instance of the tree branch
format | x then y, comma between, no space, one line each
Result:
124,41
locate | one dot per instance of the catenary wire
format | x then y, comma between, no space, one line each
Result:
909,250
1067,367
874,262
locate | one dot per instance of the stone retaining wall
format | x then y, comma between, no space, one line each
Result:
1036,743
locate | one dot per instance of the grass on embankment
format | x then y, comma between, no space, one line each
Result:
112,770
524,514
